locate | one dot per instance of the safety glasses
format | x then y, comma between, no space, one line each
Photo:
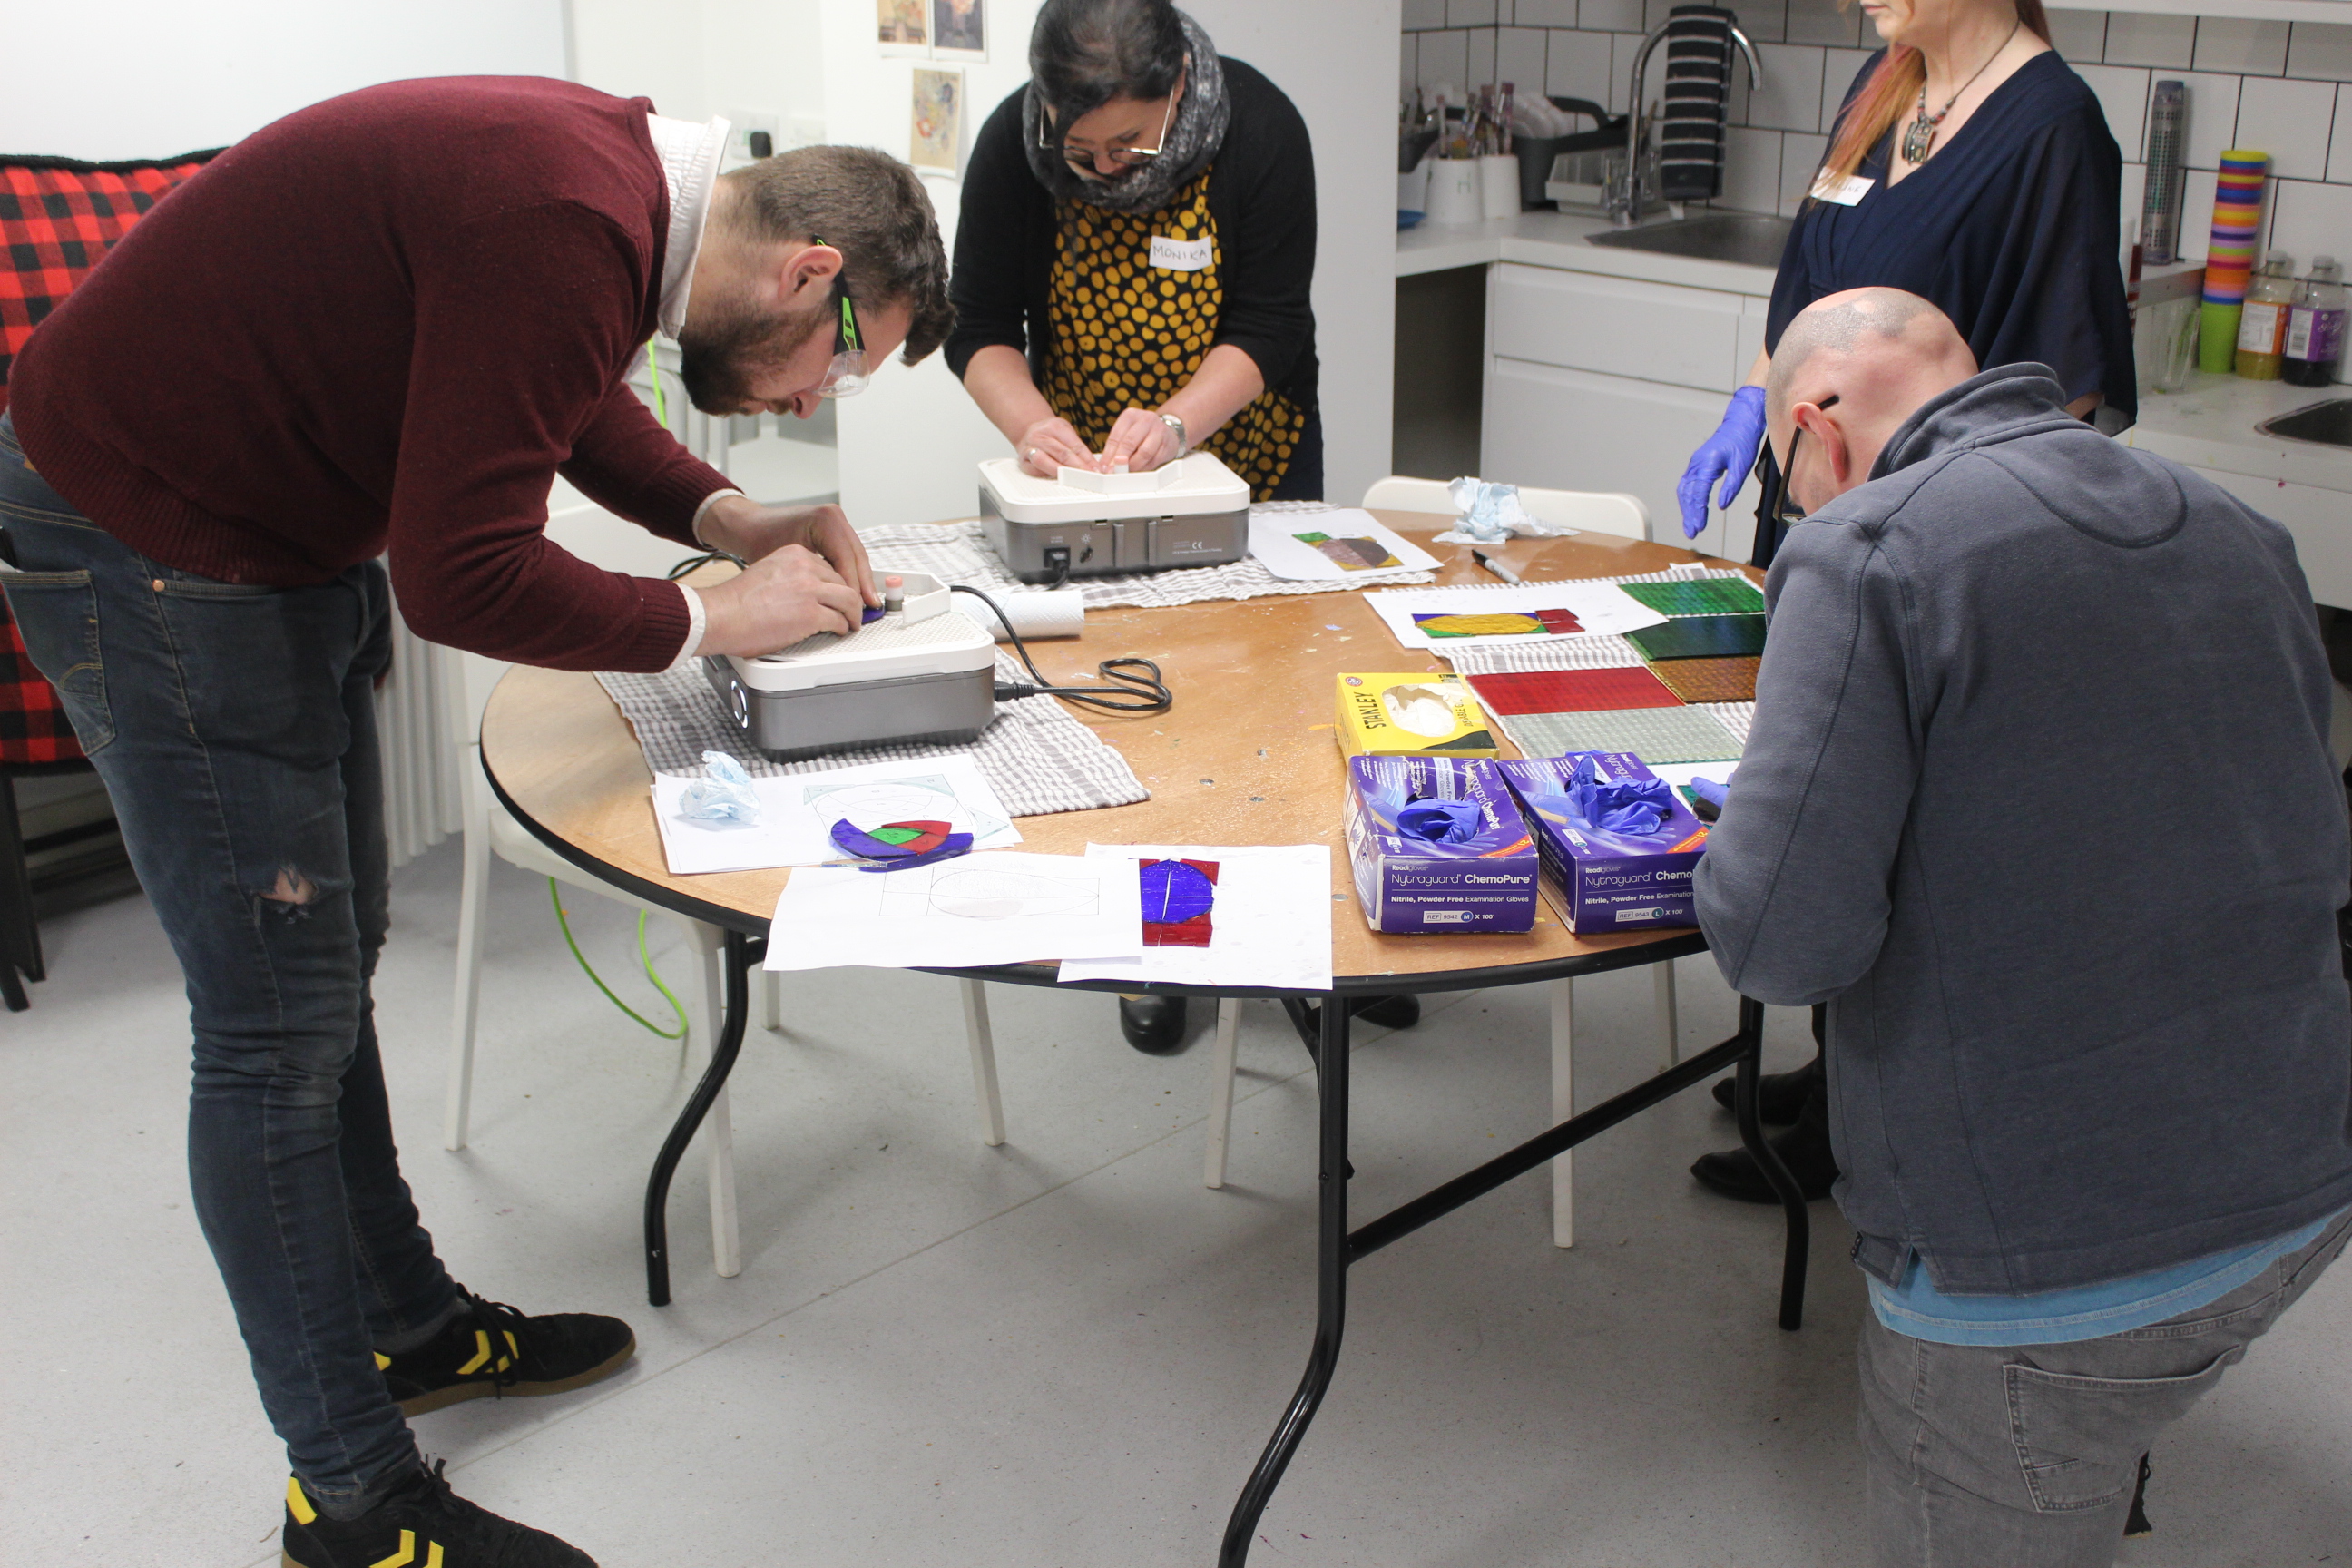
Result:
847,375
1125,157
1785,510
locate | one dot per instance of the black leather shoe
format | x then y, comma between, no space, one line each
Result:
1152,1024
1388,1012
1804,1149
1779,1095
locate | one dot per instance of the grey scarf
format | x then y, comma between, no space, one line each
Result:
1194,138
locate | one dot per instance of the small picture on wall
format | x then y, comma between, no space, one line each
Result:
902,26
959,30
937,120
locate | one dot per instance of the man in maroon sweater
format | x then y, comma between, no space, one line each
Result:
380,327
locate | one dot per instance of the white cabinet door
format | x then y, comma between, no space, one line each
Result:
1618,326
2321,522
1570,429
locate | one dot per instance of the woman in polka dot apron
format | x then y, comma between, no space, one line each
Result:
1134,254
1131,271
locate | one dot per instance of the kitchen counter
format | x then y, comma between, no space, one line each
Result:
2210,424
1557,240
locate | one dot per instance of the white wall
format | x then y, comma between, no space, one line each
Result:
143,79
1336,59
695,58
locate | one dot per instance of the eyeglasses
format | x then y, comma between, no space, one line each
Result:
1785,510
847,375
1125,157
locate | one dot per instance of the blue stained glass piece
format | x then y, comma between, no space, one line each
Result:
1174,892
872,613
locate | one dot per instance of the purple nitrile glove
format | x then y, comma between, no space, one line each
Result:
1728,455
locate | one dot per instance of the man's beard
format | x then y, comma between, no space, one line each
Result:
734,343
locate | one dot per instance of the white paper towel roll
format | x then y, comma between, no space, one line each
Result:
1052,613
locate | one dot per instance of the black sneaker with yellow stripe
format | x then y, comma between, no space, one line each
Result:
492,1350
420,1523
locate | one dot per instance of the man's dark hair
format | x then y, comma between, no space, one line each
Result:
870,207
1084,52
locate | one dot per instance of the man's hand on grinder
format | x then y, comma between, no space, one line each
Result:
808,574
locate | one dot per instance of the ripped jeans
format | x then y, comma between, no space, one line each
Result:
235,728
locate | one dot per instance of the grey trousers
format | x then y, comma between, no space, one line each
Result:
2026,1456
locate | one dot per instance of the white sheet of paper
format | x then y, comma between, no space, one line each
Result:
1602,608
1274,539
1271,924
999,908
798,810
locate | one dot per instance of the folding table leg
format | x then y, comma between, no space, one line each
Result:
1797,1245
1221,1064
1563,1106
466,1015
727,1044
719,1128
1331,1286
1661,979
771,1001
983,1063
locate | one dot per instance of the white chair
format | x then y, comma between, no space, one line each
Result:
1611,513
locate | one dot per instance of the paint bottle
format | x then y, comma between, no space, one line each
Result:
2315,326
2261,329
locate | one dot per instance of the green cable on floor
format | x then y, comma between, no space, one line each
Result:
555,896
653,369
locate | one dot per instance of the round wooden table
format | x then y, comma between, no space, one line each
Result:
1245,755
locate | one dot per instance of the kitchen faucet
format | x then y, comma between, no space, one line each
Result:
1625,197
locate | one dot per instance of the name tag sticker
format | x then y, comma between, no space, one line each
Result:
1844,189
1179,255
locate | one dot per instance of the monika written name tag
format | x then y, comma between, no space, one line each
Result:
1844,189
1179,255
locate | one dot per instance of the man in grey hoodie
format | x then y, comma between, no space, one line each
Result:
2038,799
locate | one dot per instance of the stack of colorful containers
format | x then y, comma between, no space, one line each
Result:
2230,261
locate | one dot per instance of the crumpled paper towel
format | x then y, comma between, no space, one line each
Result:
1488,514
724,793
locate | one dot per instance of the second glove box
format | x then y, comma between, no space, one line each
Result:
1191,512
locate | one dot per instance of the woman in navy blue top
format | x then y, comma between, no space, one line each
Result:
2007,219
1972,167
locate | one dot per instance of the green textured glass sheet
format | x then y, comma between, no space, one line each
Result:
1707,596
1656,735
1701,636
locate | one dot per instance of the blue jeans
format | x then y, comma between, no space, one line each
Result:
235,727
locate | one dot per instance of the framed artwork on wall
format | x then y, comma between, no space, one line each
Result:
938,121
959,30
903,26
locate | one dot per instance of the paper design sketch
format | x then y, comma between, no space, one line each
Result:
1449,618
799,811
1248,915
1331,546
1178,897
999,908
1511,624
937,120
1365,554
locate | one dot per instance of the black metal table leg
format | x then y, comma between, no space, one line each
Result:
1798,1243
1330,1288
736,964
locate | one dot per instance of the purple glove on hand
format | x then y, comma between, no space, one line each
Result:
1728,455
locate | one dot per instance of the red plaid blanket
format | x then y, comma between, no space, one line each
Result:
57,218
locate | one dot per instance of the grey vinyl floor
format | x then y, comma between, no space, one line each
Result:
1063,1352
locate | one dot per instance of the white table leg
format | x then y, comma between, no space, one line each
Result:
466,1015
1222,1063
1670,1050
1563,1106
983,1063
771,1000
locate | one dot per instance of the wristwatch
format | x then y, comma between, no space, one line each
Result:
1177,425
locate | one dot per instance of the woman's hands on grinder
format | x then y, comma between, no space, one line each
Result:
1052,445
1728,455
1143,440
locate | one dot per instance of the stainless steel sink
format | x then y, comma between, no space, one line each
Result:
2328,423
1751,239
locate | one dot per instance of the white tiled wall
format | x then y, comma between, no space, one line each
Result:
2284,87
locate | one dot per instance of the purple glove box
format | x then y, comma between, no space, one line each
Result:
1411,885
1608,882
